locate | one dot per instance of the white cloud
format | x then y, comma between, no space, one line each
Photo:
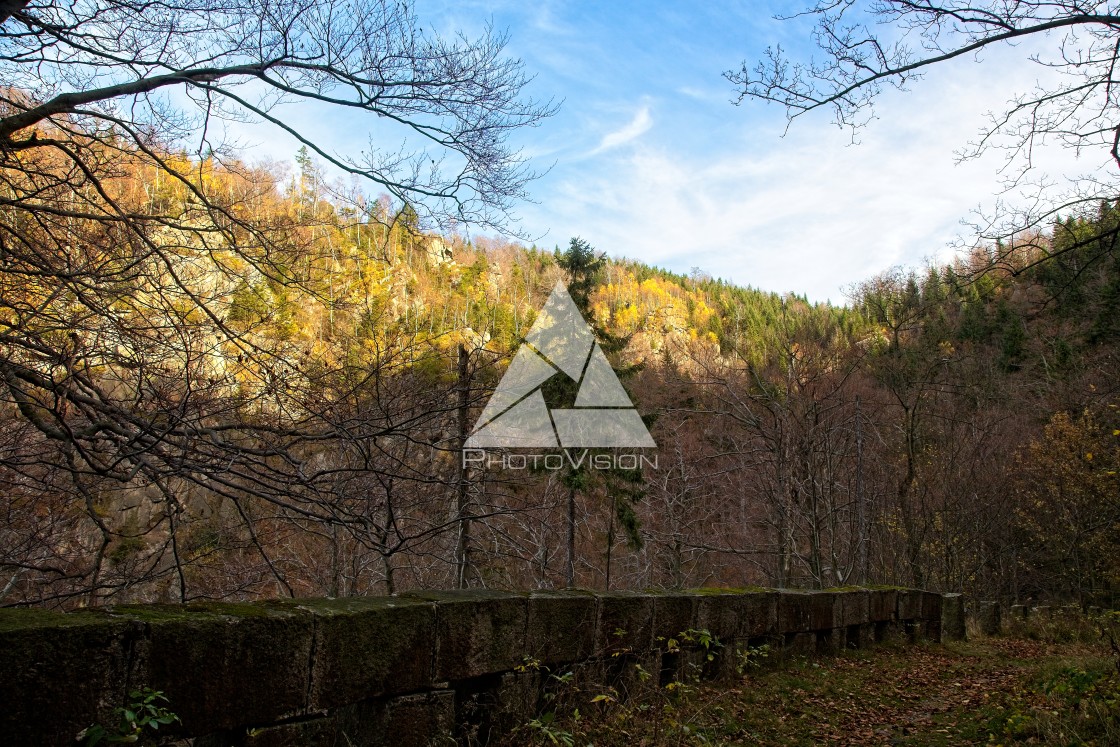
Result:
718,96
808,213
633,129
716,186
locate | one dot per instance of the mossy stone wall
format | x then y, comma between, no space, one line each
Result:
405,670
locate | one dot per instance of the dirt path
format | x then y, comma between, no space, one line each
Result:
959,694
932,695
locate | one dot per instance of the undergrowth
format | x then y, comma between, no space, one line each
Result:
1051,682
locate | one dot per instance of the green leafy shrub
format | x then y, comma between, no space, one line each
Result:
137,723
751,658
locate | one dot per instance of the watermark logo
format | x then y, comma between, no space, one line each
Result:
560,342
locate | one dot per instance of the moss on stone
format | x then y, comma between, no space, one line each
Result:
24,618
370,646
228,665
61,672
731,590
561,626
479,631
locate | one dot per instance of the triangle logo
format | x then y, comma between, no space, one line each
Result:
559,342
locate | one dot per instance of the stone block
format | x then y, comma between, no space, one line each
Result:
952,617
418,720
988,618
625,623
732,616
587,676
688,663
931,630
760,617
931,606
912,630
478,632
830,642
910,604
494,705
757,653
674,612
516,701
369,646
561,626
60,673
632,675
370,671
314,732
883,605
859,636
224,665
824,609
853,608
799,644
794,611
887,631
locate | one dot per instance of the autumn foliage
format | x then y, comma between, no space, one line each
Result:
261,392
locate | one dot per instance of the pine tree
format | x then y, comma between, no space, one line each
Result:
624,487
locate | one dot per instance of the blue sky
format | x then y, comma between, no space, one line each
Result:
649,159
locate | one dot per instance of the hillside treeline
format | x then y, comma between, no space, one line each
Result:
260,386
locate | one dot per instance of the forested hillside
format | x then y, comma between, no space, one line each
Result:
263,390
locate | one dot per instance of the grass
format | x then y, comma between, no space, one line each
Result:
1048,683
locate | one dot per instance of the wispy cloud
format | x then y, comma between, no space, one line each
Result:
633,130
807,213
718,96
714,185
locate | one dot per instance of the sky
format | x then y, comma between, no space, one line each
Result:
648,158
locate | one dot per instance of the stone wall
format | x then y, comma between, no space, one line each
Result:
407,670
993,618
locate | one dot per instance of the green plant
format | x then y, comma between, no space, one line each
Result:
1071,684
1081,706
751,658
546,728
695,638
618,710
144,714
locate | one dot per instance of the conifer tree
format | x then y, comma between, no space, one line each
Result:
624,487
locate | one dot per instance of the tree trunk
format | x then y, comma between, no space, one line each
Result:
862,538
905,493
8,8
462,508
610,546
571,571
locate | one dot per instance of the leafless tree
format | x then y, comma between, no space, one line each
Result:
144,335
145,74
868,45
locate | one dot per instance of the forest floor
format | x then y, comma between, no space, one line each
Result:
1046,690
988,691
